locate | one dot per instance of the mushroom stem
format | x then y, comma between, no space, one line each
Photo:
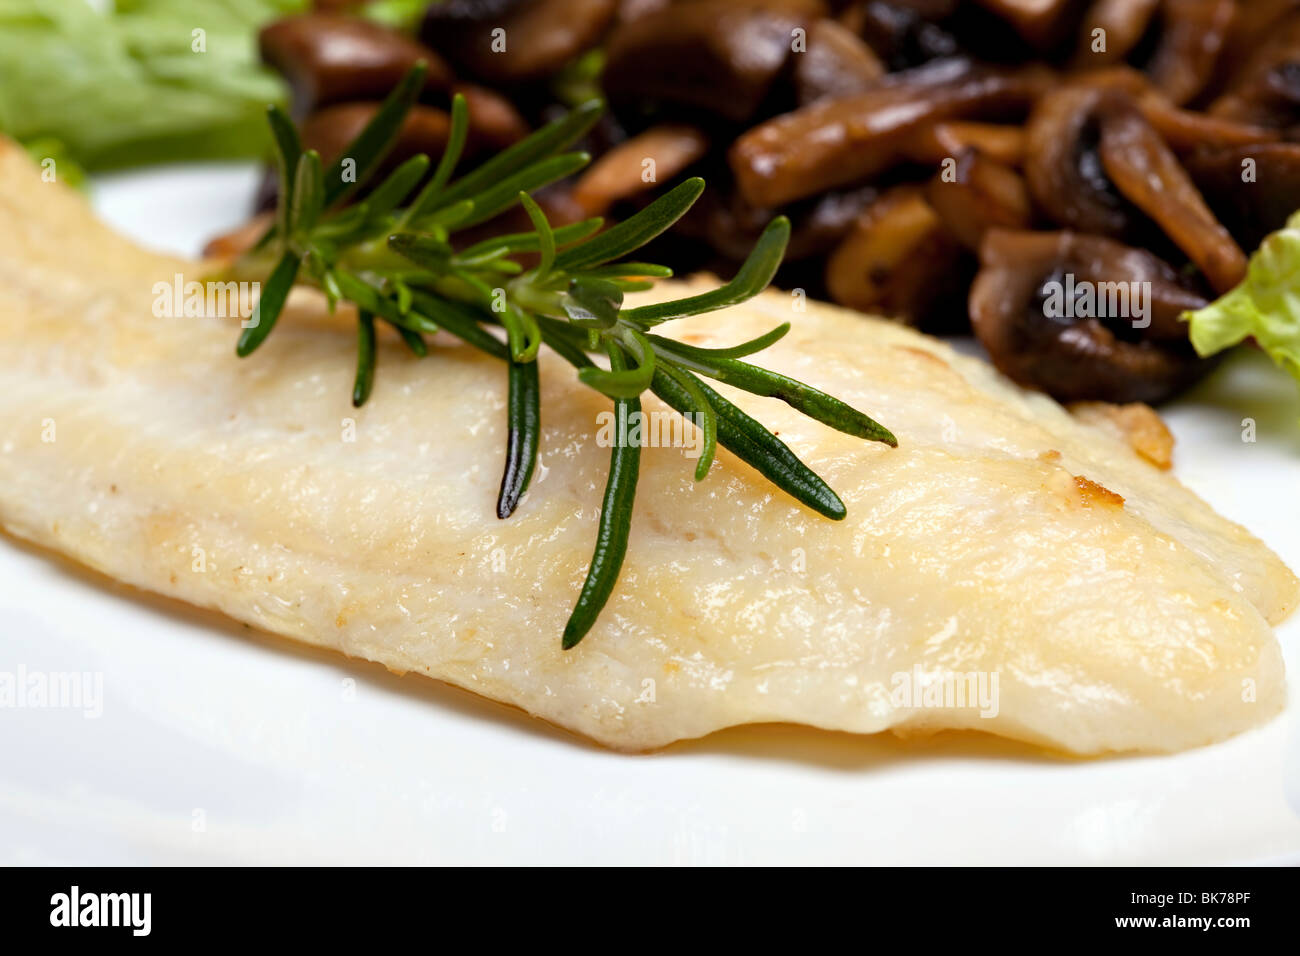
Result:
1147,173
841,141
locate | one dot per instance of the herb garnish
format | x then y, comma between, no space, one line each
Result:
398,264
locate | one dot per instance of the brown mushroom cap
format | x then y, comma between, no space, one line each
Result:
1265,88
1192,37
1063,163
1257,23
328,58
1249,209
720,56
637,165
330,130
493,120
835,62
904,33
1122,24
1103,356
509,42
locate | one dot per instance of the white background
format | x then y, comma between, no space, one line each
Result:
220,744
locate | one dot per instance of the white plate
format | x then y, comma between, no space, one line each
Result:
220,744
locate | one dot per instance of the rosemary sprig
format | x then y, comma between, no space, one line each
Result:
396,259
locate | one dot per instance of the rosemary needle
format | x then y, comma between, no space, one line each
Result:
364,154
269,304
615,518
398,259
523,435
758,447
365,358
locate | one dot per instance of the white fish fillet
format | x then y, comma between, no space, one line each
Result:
977,547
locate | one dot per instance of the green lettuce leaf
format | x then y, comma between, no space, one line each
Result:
1265,307
125,84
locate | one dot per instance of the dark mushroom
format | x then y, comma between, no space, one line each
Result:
510,42
493,120
977,194
1083,318
1144,170
731,226
425,130
330,130
1063,164
842,141
629,10
904,34
1252,189
1191,39
898,260
637,165
1265,89
328,58
1256,24
1111,29
834,63
1041,22
718,56
819,224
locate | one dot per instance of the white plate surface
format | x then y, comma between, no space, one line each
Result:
219,744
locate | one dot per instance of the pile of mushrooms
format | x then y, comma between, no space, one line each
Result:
939,159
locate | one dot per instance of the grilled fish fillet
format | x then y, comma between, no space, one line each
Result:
1083,598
